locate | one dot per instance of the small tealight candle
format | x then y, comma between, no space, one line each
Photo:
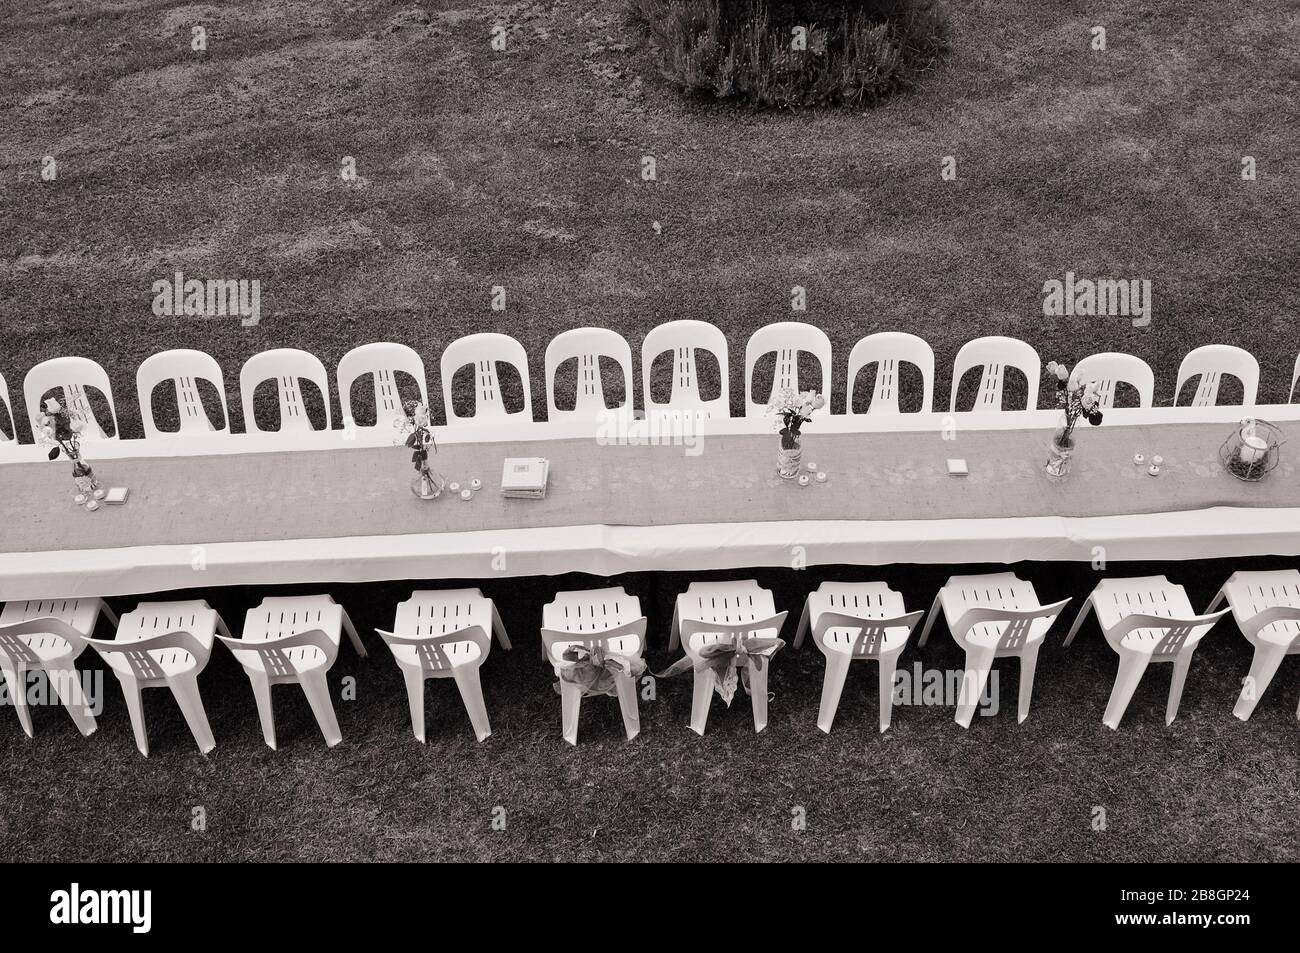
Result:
821,476
1153,470
454,487
1158,460
810,467
476,484
93,505
467,494
1253,448
1139,459
804,479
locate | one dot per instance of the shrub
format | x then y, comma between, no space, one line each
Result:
857,50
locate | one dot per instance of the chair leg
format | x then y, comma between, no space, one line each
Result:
16,681
803,626
414,677
570,704
499,628
1268,658
317,689
351,630
135,708
929,621
674,630
758,690
626,687
262,693
888,666
837,670
1181,664
1078,620
1028,665
979,661
701,698
67,685
1131,667
185,688
471,693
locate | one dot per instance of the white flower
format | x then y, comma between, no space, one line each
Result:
52,406
78,426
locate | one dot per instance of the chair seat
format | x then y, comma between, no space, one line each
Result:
1250,593
457,653
47,648
148,619
991,591
625,645
701,640
279,616
1116,599
862,600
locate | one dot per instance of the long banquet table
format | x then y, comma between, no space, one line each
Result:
335,506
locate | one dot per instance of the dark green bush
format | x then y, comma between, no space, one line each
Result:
857,50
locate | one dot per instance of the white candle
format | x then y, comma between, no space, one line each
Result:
1139,459
1253,448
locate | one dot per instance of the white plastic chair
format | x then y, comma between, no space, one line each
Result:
49,634
288,367
294,639
9,412
993,616
1295,379
1211,362
383,360
71,376
856,620
608,619
484,351
1266,606
445,634
588,346
786,339
1109,368
164,645
683,339
1145,619
995,354
709,613
888,349
185,368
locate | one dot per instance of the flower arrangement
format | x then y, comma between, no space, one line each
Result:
793,409
61,432
1076,399
417,424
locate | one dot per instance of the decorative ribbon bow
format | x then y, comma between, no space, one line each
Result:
594,669
726,659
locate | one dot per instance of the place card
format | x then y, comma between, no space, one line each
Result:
116,494
524,478
957,467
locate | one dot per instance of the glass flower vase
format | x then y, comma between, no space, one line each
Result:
1059,456
789,455
89,489
429,484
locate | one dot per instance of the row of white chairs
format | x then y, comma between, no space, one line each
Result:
448,634
71,377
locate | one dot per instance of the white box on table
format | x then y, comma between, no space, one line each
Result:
524,478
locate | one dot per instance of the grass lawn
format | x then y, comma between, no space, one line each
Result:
522,169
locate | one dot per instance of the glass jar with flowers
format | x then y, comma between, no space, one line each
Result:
417,424
61,432
792,410
1076,399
